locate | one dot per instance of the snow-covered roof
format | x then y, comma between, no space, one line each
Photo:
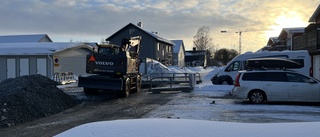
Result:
156,36
22,38
286,31
37,48
294,30
178,44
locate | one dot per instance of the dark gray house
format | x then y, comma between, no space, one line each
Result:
195,58
153,46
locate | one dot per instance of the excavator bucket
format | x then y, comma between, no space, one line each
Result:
99,82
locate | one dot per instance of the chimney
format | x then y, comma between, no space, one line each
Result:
140,24
194,49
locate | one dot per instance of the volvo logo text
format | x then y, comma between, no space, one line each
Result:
104,63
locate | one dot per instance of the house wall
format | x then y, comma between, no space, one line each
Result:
150,47
33,65
181,57
71,60
164,53
148,43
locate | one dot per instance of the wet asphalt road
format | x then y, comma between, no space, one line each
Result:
180,105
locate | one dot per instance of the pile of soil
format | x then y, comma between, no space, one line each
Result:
31,97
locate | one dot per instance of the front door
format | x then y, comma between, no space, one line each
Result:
316,67
276,86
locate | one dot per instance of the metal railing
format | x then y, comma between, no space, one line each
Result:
185,82
64,77
176,77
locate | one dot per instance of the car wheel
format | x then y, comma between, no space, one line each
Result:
225,82
257,97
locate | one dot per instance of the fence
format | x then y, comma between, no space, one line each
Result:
64,77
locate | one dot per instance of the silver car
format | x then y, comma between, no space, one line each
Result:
260,86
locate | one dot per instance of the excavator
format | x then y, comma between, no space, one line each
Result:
113,68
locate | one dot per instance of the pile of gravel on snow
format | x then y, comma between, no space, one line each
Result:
27,98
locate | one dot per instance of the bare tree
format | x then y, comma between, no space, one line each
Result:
225,55
203,41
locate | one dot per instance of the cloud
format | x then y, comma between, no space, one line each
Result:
173,19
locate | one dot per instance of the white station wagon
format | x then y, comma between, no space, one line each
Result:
275,85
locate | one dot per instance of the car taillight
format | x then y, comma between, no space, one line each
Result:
236,82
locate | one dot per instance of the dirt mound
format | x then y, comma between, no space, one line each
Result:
31,97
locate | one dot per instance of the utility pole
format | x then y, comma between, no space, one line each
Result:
240,32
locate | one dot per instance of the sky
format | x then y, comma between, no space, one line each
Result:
95,20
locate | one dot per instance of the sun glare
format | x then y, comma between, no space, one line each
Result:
285,22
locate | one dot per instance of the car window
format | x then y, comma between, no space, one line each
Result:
256,76
235,66
275,76
293,77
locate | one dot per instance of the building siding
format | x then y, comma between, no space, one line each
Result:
71,61
149,44
32,65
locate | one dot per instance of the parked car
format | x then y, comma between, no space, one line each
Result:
227,75
259,86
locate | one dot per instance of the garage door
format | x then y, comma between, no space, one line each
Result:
11,68
316,66
42,66
24,66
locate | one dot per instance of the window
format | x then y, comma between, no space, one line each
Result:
300,61
158,46
235,66
253,76
293,77
275,76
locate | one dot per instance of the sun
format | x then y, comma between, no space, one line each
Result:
285,22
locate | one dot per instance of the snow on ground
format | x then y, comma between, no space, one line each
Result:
190,128
189,121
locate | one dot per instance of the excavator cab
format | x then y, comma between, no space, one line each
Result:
108,49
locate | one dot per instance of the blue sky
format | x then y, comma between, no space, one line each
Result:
94,20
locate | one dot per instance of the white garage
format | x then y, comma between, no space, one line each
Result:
18,59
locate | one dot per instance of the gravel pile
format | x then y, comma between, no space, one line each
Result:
27,98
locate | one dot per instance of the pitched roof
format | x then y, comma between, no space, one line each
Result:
291,31
314,15
156,36
177,45
23,38
38,48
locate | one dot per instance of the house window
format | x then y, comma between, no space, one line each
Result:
158,46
